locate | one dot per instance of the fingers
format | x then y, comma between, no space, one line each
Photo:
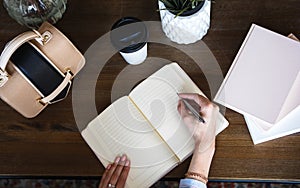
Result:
104,176
201,100
108,173
185,113
116,173
124,175
203,133
186,116
181,109
206,105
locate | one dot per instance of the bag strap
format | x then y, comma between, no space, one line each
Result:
14,44
10,48
57,91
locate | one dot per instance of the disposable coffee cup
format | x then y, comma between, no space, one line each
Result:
129,36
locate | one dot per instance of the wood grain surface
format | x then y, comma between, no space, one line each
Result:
51,145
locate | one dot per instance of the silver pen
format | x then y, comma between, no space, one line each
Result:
193,107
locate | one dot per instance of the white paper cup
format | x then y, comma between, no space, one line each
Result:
129,36
135,58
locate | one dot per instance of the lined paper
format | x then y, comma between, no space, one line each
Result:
124,133
123,128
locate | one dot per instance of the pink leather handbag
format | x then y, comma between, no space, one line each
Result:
36,69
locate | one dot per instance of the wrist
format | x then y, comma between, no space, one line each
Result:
201,161
197,176
201,148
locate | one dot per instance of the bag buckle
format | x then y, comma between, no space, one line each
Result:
3,77
43,38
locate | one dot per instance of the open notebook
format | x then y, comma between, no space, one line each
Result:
263,81
146,126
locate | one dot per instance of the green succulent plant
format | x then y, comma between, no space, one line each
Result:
178,7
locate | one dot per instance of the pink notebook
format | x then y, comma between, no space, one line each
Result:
263,81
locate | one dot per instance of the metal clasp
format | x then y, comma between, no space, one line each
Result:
43,38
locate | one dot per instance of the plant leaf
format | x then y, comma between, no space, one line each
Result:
168,4
182,11
184,4
180,6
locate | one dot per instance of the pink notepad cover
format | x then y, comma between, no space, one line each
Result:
264,80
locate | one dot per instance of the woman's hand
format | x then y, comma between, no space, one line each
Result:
116,174
203,133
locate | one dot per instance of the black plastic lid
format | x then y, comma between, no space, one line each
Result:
129,34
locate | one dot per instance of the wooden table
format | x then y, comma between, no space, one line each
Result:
50,144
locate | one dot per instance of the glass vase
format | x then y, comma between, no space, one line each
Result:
32,13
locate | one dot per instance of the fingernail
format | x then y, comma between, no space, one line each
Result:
127,163
117,159
108,166
123,158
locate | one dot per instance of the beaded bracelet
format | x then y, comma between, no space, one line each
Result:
196,176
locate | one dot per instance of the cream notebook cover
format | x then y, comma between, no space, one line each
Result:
146,126
263,81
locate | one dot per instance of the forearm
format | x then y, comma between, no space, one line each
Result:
201,161
199,168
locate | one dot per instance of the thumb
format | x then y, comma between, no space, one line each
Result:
187,118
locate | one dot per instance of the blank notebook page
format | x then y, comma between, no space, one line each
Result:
262,75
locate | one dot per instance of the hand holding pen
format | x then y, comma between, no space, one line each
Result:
193,107
203,131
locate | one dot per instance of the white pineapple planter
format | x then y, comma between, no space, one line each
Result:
185,29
